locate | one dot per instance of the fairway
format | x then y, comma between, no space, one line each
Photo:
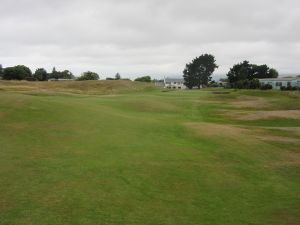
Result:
137,155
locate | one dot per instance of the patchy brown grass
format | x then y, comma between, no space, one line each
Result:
295,130
286,217
212,129
250,102
278,139
2,114
262,134
259,115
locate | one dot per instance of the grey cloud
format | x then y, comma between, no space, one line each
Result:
148,36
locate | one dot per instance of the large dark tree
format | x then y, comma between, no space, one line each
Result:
199,71
242,72
41,74
1,71
89,76
259,72
19,72
54,74
118,76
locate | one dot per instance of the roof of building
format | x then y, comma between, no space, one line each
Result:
280,79
174,80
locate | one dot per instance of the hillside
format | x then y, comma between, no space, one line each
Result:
79,87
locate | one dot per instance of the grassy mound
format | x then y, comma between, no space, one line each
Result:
80,87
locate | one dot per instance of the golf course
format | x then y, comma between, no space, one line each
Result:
130,153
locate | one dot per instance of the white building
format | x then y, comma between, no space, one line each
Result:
281,82
174,83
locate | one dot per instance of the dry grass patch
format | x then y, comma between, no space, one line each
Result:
258,134
260,115
100,86
212,129
276,138
295,130
250,102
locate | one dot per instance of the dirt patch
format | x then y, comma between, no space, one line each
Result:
250,102
261,115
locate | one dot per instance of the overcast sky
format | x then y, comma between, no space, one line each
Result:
148,37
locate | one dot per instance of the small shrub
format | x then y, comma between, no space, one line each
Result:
283,88
143,79
266,87
88,76
254,84
289,88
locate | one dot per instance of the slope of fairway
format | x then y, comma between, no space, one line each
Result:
79,87
167,158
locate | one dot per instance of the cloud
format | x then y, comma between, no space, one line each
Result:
136,37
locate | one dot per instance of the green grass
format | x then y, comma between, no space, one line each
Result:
131,158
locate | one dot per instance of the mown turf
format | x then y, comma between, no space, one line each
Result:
148,157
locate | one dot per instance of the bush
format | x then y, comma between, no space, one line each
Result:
144,79
289,88
40,74
266,87
283,88
88,76
247,84
214,84
254,84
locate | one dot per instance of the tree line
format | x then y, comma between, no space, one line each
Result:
199,72
21,72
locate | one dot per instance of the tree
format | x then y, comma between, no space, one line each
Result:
240,71
240,74
143,79
66,74
89,76
258,72
1,71
273,73
41,74
54,74
19,72
199,71
118,76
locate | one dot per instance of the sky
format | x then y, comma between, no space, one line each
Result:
148,37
